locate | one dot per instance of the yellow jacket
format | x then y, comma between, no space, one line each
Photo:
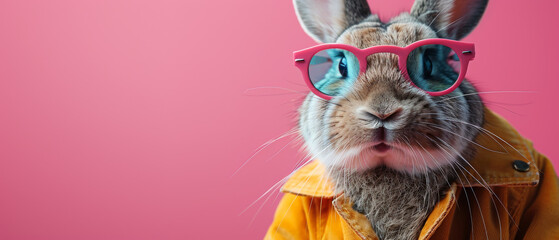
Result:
523,202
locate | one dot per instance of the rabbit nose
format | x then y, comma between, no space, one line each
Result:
383,116
379,118
387,116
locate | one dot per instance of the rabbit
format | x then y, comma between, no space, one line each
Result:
337,132
390,147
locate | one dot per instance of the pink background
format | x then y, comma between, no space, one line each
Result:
127,119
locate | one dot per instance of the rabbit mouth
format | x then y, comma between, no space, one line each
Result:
382,147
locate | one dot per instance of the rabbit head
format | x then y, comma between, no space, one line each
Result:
383,119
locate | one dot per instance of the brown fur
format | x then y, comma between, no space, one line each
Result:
390,199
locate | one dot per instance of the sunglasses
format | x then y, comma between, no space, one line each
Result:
436,66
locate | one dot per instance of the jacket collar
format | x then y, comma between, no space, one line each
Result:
498,146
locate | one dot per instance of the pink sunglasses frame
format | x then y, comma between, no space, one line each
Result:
465,51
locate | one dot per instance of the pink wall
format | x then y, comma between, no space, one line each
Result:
127,119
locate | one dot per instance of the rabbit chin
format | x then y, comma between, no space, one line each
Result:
412,160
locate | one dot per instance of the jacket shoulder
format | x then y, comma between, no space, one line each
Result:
300,217
538,210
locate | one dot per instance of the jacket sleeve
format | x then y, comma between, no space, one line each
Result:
540,219
290,220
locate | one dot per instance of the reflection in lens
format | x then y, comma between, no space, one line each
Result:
433,68
333,71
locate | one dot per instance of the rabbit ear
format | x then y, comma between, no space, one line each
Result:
325,20
453,19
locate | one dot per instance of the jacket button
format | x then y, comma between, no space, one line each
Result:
521,166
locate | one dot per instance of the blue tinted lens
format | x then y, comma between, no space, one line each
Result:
433,67
333,71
